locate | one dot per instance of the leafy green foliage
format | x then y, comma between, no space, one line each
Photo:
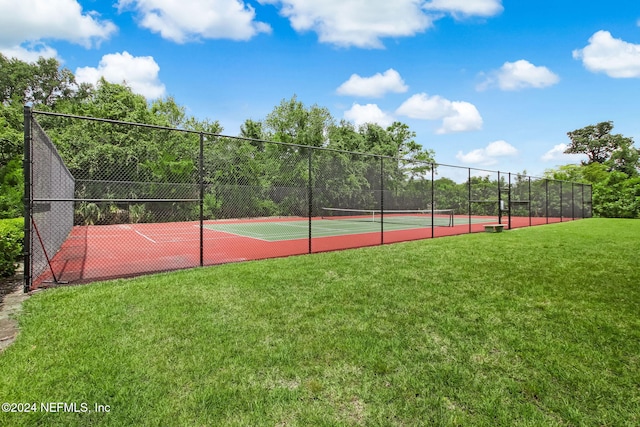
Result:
11,133
617,196
601,146
11,237
613,169
89,213
12,184
43,83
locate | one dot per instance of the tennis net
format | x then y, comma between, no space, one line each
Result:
409,217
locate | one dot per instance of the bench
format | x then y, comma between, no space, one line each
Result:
493,228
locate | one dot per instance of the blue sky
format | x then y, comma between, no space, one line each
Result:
492,84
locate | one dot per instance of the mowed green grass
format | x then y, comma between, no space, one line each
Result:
536,326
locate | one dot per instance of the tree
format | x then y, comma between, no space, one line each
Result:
612,169
11,134
41,83
293,123
601,146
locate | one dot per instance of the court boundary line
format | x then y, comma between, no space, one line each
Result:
143,235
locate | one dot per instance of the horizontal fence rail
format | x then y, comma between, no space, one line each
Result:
107,199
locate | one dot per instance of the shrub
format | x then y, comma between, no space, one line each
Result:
11,236
11,189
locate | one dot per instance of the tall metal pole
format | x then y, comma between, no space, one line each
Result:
469,200
509,202
573,202
201,179
27,200
561,203
582,197
433,200
382,200
546,199
310,195
499,201
530,203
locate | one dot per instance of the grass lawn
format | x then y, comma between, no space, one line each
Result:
536,326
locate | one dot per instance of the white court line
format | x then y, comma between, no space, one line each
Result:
146,237
348,230
249,235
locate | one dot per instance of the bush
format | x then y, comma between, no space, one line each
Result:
11,189
11,235
618,196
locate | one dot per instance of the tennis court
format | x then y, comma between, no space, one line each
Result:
337,222
89,253
123,218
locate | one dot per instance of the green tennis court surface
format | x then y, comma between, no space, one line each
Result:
273,231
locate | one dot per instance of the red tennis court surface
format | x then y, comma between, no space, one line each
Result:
100,252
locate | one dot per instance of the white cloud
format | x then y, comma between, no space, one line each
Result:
520,75
369,113
456,116
556,154
140,73
31,52
24,23
355,22
614,57
364,23
186,20
465,118
375,86
489,155
466,7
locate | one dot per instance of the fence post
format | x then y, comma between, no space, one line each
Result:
382,200
509,202
546,199
310,195
582,204
469,197
561,203
573,202
433,201
499,200
530,203
201,179
26,164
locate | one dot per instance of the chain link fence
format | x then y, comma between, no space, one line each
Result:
108,199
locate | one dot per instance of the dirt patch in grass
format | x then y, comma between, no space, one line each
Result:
11,297
10,284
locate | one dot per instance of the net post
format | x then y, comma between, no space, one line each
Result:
201,202
27,199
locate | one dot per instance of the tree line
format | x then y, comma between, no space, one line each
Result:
612,167
246,175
